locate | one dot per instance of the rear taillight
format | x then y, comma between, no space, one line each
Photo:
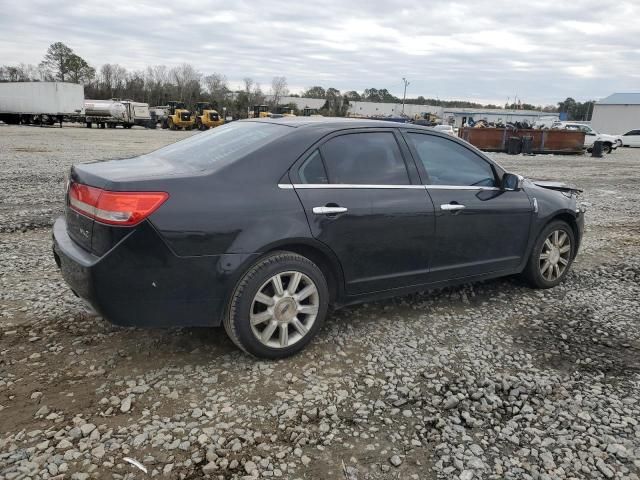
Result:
114,208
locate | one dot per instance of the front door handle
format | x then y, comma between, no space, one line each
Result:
328,210
451,207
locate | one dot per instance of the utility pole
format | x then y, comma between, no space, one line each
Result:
404,96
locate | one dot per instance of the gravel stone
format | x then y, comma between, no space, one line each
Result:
486,380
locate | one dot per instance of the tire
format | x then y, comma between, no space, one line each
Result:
536,273
285,313
170,124
607,148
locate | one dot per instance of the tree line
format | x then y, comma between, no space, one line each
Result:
158,84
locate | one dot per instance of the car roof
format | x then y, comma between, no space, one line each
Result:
333,122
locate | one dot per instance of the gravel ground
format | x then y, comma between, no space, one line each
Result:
484,381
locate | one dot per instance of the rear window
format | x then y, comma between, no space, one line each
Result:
222,145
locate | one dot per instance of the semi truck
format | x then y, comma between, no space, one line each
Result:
42,103
114,112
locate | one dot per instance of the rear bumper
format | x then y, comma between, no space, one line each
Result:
141,282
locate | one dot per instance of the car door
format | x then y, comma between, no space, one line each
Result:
367,205
632,138
480,228
589,136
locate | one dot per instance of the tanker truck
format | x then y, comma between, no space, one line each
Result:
114,112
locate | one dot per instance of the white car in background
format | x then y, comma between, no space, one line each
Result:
445,129
630,139
609,142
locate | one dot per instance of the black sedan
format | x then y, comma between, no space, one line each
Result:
262,225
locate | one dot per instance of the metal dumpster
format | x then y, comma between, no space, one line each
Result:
542,141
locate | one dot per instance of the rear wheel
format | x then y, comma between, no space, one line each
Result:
607,148
551,256
278,306
170,124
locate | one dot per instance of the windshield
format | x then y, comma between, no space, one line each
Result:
222,145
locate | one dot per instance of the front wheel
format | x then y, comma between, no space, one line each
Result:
607,148
551,256
278,306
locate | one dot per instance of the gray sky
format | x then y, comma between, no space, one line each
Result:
479,50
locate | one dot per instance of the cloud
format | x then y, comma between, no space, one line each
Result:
485,50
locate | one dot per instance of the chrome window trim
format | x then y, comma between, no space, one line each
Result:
398,187
459,187
347,185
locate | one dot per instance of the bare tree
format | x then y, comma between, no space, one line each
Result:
216,85
248,85
20,73
156,80
278,89
187,79
257,95
113,79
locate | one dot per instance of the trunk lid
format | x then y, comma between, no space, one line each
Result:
141,174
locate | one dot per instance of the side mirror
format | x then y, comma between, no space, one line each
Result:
511,181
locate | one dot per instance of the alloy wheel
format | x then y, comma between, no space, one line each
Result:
555,255
284,309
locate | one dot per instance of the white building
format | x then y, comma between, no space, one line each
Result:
452,116
379,109
617,114
300,102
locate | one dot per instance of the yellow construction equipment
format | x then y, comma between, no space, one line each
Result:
310,112
178,117
261,111
206,117
285,111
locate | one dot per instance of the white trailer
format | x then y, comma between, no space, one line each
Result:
39,102
111,113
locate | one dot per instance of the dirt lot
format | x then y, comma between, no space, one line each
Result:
489,380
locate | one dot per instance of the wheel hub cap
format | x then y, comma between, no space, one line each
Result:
285,310
554,255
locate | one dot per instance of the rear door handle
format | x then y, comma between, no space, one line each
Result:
452,207
328,210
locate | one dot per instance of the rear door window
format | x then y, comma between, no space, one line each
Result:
367,158
312,170
449,163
